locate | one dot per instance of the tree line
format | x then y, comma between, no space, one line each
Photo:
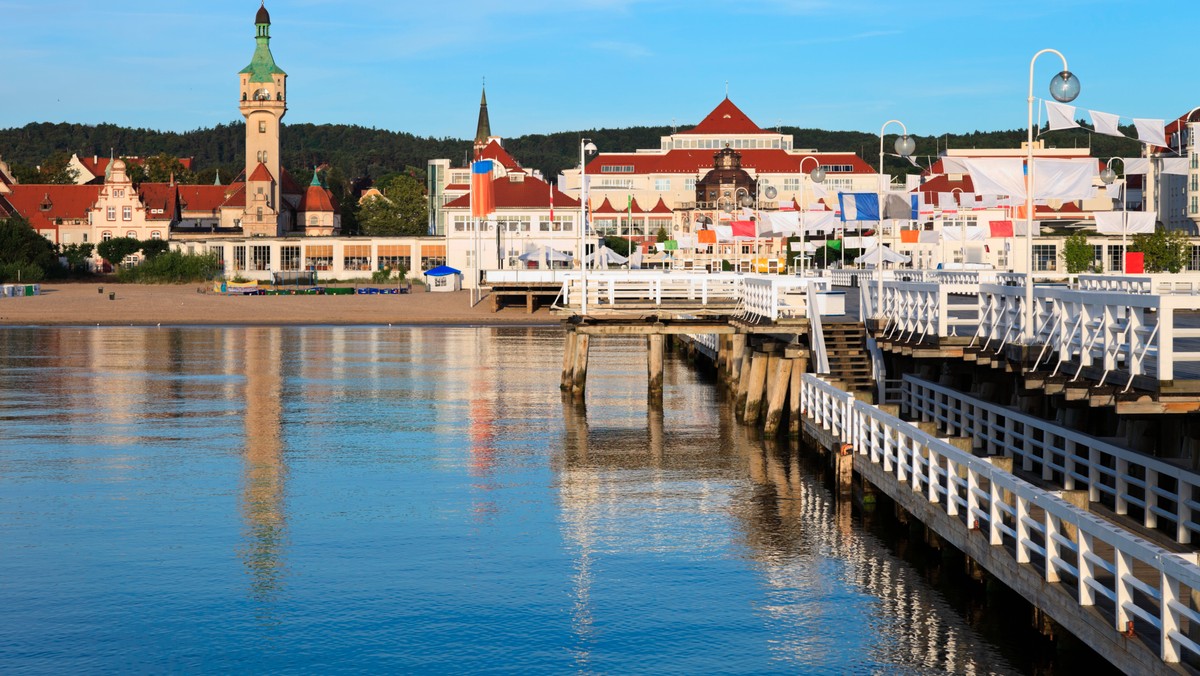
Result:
363,153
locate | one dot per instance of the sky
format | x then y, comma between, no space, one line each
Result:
939,66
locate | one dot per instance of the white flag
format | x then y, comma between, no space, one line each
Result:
1136,165
1060,115
1106,123
1151,131
1175,166
997,176
1063,179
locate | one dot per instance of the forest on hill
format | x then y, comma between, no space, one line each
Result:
367,154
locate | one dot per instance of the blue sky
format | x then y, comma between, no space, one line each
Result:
552,65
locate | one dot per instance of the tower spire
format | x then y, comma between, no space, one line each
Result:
483,130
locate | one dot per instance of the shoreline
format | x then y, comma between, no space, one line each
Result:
83,305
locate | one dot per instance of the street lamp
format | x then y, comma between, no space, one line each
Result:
818,176
904,147
1064,87
586,147
1107,177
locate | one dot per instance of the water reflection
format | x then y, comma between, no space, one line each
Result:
263,468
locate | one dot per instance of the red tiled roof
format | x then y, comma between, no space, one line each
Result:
606,207
63,201
943,183
262,173
458,186
316,198
726,118
531,193
236,195
661,207
762,161
206,198
494,151
158,196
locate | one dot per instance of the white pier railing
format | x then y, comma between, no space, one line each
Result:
1183,282
608,289
920,310
1079,461
773,296
1134,334
1025,523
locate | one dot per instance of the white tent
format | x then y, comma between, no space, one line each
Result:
604,257
871,257
546,256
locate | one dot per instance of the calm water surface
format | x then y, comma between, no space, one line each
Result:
421,500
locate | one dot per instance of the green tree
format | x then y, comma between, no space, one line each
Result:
161,167
56,169
116,249
24,255
77,255
152,248
662,235
1078,254
1163,251
401,211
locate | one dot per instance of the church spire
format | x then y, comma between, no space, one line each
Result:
483,130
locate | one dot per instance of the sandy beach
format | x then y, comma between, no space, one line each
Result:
190,304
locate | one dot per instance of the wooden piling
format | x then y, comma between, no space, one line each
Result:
781,382
654,367
581,365
568,370
736,353
742,382
755,384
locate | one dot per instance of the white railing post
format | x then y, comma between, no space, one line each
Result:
1123,591
1053,548
1169,619
1022,517
995,516
1087,569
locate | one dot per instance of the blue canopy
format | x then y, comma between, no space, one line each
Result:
443,271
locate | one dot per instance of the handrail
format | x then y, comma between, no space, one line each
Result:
978,495
1074,459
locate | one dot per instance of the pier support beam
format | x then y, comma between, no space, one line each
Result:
737,351
755,384
742,381
568,369
654,369
799,364
579,382
781,382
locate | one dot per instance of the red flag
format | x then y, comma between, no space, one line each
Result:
483,202
1001,228
743,228
551,206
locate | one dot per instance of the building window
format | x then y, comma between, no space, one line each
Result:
239,257
131,234
260,214
314,220
105,236
262,126
1115,256
1194,205
356,257
260,258
662,185
791,184
1194,258
118,192
126,213
689,184
85,237
289,257
1045,257
111,213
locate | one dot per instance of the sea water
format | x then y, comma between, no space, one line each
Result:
425,500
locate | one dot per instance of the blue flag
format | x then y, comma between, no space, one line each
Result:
859,206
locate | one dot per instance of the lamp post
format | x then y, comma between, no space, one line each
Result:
1107,177
586,147
1064,87
904,147
818,176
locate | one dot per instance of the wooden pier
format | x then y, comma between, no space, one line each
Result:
1097,535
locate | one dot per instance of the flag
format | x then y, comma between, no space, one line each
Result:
551,206
743,228
859,206
483,202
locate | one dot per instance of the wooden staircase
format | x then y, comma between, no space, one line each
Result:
849,359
